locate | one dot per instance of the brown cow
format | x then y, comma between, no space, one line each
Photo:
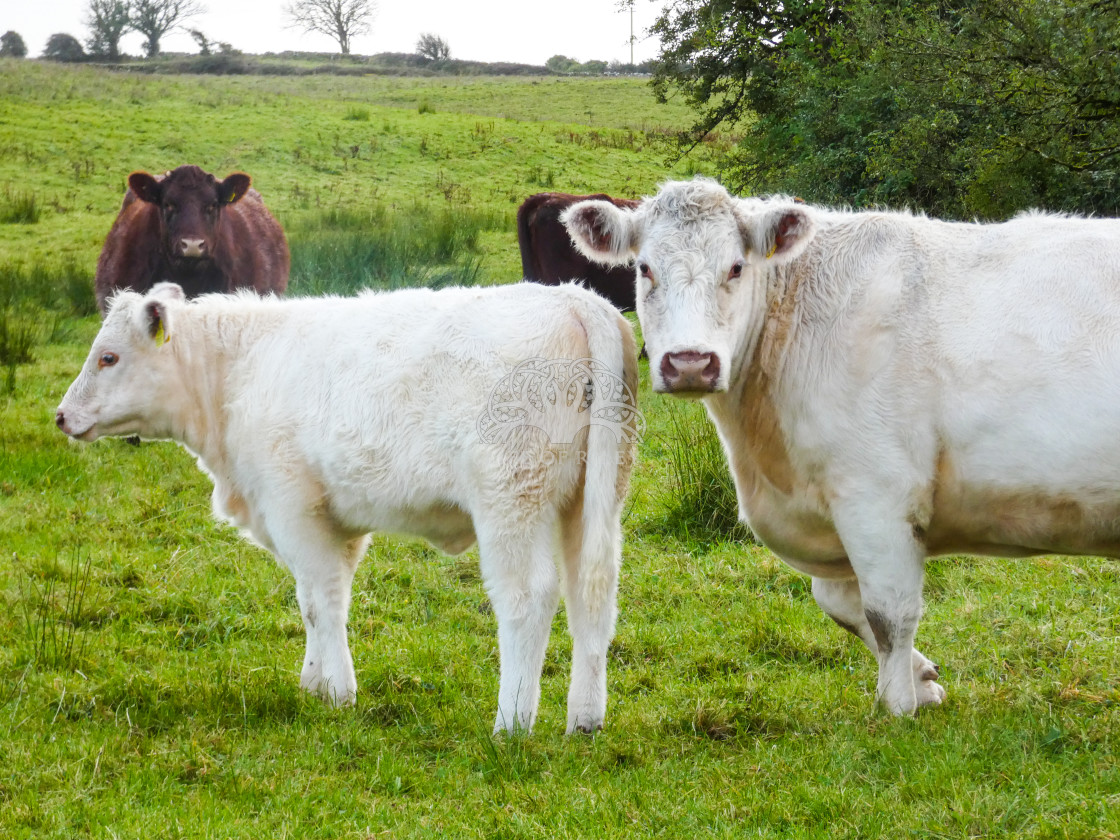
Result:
548,256
190,228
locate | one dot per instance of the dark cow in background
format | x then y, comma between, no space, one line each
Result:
189,228
549,257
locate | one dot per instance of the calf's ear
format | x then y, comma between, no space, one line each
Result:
233,188
145,186
602,232
155,312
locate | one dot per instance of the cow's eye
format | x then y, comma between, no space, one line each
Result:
644,270
211,209
169,209
736,270
108,360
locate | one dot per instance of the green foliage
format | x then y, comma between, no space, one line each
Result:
962,110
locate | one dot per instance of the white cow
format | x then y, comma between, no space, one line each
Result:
504,415
886,386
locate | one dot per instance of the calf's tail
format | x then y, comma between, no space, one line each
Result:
612,440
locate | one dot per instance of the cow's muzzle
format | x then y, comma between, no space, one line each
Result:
192,248
690,371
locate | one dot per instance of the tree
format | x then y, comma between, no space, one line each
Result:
12,46
342,20
561,64
155,18
956,107
433,48
107,20
204,45
63,47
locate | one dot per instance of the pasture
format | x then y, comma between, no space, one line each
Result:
149,658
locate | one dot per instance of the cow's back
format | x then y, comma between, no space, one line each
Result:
381,397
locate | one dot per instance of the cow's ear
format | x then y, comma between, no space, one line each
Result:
233,188
779,234
602,232
145,186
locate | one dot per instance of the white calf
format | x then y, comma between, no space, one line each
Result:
504,415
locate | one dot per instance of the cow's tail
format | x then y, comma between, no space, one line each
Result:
611,443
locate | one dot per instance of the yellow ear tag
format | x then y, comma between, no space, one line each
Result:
161,336
773,250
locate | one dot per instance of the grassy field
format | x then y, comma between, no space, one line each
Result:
149,658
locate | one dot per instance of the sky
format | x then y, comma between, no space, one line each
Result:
522,31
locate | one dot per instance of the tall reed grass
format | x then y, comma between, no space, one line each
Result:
345,251
701,503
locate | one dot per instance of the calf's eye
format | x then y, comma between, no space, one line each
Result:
736,270
644,270
107,360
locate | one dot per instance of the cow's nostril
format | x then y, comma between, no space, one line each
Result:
59,419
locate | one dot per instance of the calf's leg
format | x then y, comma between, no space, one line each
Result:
323,564
519,573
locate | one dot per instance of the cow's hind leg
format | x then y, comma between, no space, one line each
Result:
323,564
519,573
841,601
590,598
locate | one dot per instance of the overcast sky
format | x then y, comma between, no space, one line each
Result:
524,31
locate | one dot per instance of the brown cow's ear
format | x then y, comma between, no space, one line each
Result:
145,186
233,188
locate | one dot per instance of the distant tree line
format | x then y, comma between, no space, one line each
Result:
563,65
960,108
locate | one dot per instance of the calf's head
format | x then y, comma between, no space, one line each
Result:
126,386
703,260
190,203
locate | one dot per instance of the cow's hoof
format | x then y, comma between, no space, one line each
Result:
584,728
929,692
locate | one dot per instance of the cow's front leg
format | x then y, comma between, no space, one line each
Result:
519,574
323,565
889,564
841,601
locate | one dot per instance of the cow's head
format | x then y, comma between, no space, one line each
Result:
125,386
703,260
190,203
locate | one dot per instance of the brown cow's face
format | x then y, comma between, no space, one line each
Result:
190,203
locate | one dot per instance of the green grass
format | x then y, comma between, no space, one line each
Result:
149,658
